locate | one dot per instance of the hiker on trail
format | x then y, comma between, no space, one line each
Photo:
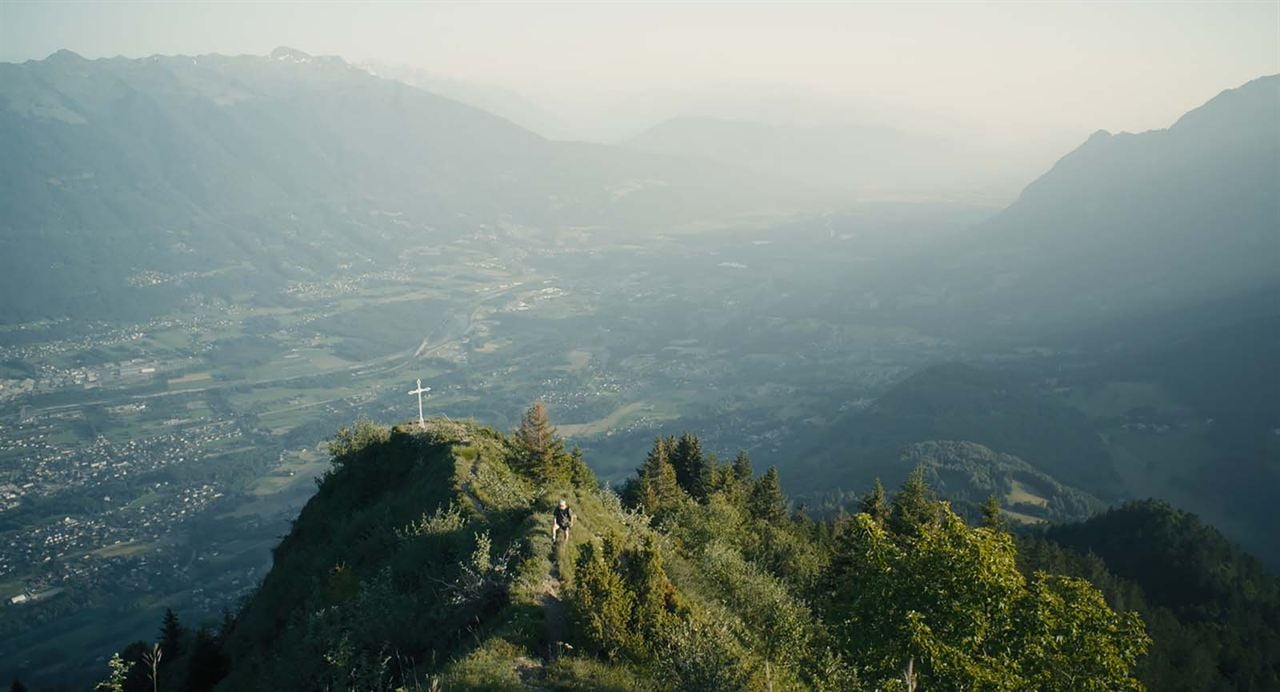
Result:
562,520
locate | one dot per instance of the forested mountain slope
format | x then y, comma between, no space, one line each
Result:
425,560
1213,611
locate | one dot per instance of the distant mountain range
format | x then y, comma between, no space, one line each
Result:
246,171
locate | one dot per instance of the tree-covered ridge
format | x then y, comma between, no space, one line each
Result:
425,561
967,474
954,401
1212,610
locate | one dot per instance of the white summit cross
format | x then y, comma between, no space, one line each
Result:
420,391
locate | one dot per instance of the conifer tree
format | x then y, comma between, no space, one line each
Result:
742,466
767,502
581,474
713,475
913,506
992,517
541,447
17,685
658,486
171,636
873,503
691,467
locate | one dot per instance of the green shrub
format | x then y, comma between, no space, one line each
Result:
579,673
489,667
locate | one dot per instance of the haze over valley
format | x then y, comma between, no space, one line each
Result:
210,261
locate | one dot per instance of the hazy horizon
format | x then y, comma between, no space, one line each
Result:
606,72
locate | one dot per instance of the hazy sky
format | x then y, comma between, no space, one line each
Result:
1041,69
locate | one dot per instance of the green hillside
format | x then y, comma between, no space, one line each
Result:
1213,612
425,561
967,474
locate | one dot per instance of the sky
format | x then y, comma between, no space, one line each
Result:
1034,71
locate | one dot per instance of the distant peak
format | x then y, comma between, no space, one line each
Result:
284,53
1100,134
65,55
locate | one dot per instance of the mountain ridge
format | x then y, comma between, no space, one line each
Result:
424,559
282,169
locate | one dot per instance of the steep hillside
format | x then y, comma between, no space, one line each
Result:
1212,610
424,561
1131,222
416,546
1192,420
213,171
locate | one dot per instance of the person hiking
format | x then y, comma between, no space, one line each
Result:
562,520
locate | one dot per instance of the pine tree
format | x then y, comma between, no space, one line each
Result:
742,466
992,517
873,503
541,447
913,506
692,470
17,685
767,502
581,474
171,636
658,486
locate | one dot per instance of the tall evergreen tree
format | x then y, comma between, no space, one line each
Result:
742,466
710,478
767,501
581,474
692,470
171,636
541,448
873,503
913,506
992,517
17,686
657,478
